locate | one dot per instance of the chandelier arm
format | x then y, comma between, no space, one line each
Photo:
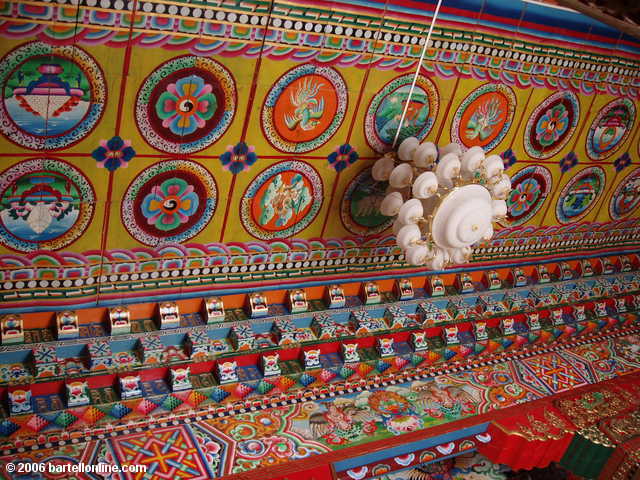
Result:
415,77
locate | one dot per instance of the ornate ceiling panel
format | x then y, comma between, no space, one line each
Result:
157,146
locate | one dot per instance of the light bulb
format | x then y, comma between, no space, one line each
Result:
425,155
493,166
437,262
407,147
488,234
410,211
382,168
451,148
391,204
396,226
501,189
499,208
448,168
417,255
471,161
461,255
408,235
425,185
401,176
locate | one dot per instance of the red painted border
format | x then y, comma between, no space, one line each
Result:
385,444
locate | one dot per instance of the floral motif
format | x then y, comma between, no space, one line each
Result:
622,162
404,423
186,105
252,448
114,153
523,197
170,204
509,158
568,162
344,156
552,125
239,158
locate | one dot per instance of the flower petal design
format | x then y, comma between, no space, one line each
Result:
113,154
166,105
552,125
99,154
342,157
622,162
238,158
186,105
568,162
127,154
170,204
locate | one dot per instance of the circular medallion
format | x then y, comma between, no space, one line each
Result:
186,104
484,117
45,205
168,202
360,207
52,96
529,189
304,108
551,125
579,196
626,196
386,107
610,128
282,200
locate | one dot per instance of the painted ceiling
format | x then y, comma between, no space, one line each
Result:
155,147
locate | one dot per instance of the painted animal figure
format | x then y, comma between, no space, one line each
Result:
307,107
484,119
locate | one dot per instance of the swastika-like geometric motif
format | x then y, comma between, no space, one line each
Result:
169,453
555,372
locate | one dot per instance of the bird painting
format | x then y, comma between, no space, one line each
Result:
308,108
484,120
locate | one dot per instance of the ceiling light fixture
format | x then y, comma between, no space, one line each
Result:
445,201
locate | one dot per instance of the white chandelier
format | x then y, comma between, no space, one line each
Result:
444,200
